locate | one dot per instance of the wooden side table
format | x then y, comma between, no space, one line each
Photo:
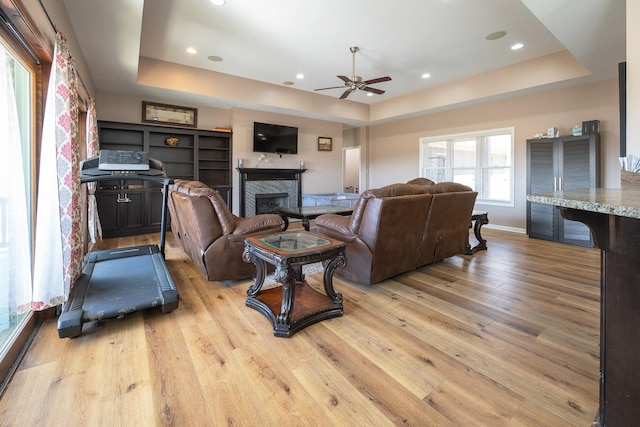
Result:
307,213
294,305
478,219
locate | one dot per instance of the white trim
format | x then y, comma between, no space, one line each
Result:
506,228
485,132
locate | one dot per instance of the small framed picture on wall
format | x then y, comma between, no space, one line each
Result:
325,143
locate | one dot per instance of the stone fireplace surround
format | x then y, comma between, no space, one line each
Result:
261,181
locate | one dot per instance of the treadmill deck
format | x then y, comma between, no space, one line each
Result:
116,282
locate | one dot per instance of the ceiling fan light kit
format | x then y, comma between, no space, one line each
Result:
356,82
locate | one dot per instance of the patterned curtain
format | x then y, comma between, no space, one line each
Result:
93,149
58,255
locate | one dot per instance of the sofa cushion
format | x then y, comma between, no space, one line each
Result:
420,181
392,229
392,190
446,187
446,230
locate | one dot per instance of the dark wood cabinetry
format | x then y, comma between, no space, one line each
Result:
555,164
133,207
614,217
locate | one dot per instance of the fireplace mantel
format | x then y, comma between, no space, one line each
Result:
247,175
260,174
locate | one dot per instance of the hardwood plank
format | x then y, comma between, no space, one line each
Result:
391,398
26,393
224,386
178,398
124,382
337,397
281,397
508,336
407,370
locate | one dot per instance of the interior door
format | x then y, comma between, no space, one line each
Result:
576,173
351,170
541,173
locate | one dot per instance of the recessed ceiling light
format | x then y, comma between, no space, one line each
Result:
288,83
426,75
191,50
300,76
217,2
517,46
214,58
369,94
496,35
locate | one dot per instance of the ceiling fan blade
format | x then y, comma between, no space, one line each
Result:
378,80
345,79
372,89
333,87
346,93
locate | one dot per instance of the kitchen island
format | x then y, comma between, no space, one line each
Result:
613,215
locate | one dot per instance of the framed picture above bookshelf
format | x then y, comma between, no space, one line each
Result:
169,114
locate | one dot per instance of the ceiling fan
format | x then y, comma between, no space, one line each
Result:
356,82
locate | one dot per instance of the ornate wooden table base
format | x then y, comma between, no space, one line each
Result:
478,219
294,305
307,213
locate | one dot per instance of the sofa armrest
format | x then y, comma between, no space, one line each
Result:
257,223
336,226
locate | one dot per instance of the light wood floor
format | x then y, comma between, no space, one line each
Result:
509,336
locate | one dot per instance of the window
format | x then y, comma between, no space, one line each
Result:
482,160
16,97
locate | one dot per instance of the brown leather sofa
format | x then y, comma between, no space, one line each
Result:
210,234
401,227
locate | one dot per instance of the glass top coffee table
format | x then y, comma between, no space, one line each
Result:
307,213
294,305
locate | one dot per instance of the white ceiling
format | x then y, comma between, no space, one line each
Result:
272,41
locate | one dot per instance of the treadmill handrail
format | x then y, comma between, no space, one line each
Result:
89,172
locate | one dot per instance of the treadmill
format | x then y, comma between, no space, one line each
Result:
116,282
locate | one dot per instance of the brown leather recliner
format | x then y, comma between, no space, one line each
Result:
211,234
401,227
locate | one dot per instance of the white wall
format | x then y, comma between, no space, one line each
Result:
324,168
394,147
128,109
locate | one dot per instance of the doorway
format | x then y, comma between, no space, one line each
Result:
351,170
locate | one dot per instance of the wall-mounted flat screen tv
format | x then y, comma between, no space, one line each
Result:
270,138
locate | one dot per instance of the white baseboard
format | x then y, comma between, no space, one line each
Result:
505,228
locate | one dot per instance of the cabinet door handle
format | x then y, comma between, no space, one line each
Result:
560,184
555,183
124,199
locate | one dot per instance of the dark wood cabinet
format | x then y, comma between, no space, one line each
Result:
134,207
555,164
620,316
123,212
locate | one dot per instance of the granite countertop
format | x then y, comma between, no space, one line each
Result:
603,200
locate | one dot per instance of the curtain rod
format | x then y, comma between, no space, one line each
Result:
16,34
56,30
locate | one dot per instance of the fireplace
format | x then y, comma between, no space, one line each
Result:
270,202
259,181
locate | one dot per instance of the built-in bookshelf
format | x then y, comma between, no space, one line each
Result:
131,207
